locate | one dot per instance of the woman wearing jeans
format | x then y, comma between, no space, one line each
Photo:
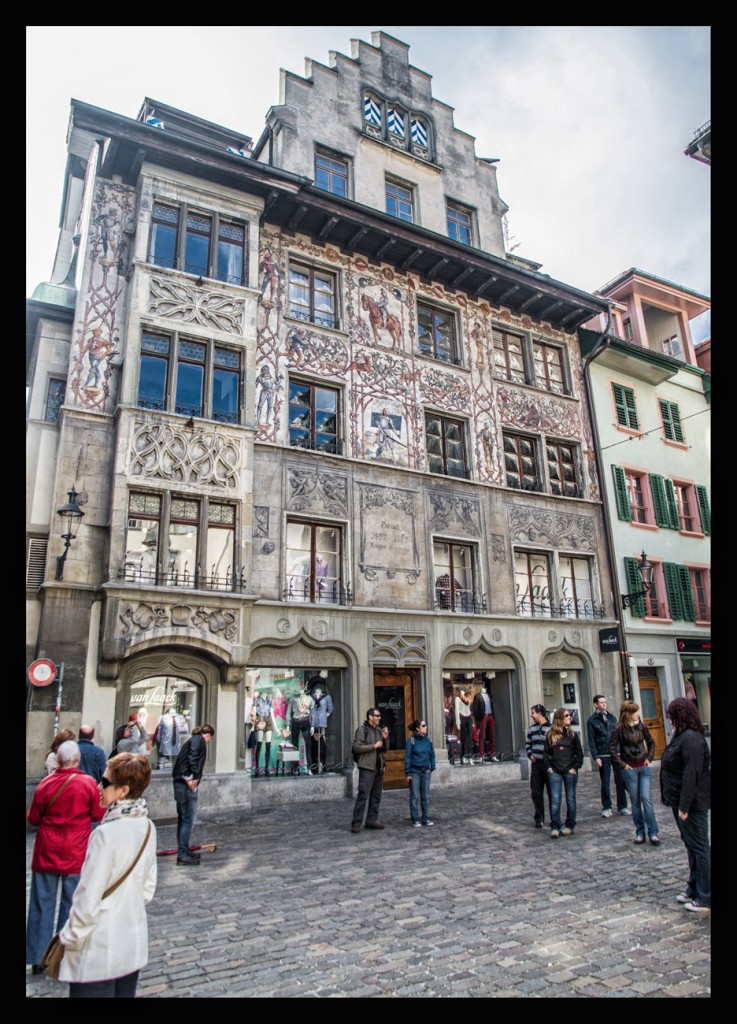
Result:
419,764
562,758
632,748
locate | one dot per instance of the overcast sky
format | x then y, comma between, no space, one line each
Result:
589,123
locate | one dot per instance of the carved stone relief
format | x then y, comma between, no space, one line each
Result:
555,529
455,512
316,490
399,649
144,616
192,305
498,548
261,520
165,452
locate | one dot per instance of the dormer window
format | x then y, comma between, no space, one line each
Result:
373,113
395,121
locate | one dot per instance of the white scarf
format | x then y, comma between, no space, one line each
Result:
126,809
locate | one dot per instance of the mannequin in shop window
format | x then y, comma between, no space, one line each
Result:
483,713
171,732
443,591
319,718
298,724
262,717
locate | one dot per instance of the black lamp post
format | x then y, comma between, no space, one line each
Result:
71,515
645,570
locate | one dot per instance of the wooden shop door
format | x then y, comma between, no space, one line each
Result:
395,695
651,711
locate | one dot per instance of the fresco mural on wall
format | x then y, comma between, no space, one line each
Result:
388,382
96,346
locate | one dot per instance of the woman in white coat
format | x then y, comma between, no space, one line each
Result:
105,938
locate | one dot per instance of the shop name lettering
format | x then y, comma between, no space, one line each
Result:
392,704
157,697
610,639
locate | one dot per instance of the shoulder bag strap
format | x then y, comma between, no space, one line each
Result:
64,785
111,888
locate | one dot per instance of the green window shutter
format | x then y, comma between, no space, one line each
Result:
674,590
689,605
624,403
660,502
620,492
672,505
702,497
671,416
634,585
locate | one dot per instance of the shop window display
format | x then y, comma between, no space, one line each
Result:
168,710
290,716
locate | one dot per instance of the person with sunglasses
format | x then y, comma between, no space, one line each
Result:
419,764
105,939
562,757
369,746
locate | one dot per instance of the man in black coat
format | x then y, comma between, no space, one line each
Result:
599,729
186,775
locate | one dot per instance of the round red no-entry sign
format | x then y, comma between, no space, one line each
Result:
42,672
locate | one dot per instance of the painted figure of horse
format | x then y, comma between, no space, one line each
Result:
376,320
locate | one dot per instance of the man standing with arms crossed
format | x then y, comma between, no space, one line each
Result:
599,729
369,746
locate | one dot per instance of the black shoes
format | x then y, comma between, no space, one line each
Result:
374,824
355,828
190,858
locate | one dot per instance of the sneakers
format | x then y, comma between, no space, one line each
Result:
554,833
639,840
496,759
607,813
416,824
683,897
654,841
566,831
625,810
428,823
697,908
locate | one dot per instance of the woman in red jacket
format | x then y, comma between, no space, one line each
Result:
63,807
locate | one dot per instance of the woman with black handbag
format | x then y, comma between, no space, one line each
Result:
105,939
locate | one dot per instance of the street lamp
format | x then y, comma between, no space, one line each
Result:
645,569
71,515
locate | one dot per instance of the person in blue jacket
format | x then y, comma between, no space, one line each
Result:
419,764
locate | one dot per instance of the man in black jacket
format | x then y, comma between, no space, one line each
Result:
186,776
599,729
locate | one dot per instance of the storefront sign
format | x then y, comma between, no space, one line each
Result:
689,645
609,639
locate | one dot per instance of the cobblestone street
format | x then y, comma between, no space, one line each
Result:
480,905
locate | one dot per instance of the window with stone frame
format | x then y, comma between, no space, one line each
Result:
446,445
576,588
548,361
205,244
177,541
331,172
437,332
563,473
532,584
313,294
400,200
454,577
313,561
55,392
509,357
192,377
396,125
314,416
460,222
521,461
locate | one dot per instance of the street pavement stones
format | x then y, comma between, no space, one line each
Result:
293,905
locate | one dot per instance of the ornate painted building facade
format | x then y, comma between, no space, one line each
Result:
326,434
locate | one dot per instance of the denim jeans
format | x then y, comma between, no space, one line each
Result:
557,781
186,801
605,774
639,783
41,909
419,788
695,835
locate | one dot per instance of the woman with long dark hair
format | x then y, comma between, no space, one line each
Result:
632,748
562,758
685,786
419,764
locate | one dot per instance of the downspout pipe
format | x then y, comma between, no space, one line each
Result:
602,344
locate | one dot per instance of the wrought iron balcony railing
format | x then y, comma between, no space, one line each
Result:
134,573
460,601
310,591
567,609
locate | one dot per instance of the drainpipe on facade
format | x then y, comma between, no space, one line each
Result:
601,346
